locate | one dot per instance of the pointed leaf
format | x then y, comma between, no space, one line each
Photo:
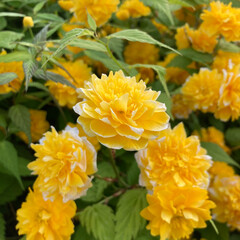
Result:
7,77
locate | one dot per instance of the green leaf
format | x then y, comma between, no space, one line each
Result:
232,136
117,45
98,220
145,235
138,36
81,234
218,154
38,7
2,227
3,23
183,3
41,37
168,102
228,47
129,221
180,62
7,39
9,160
38,85
69,38
22,165
7,77
50,17
11,14
91,22
3,120
133,173
15,56
88,44
20,116
29,68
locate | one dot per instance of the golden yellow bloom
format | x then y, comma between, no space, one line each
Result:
187,15
174,74
63,165
161,28
132,8
138,52
92,140
201,90
121,112
15,67
225,192
221,169
225,60
182,39
211,134
66,95
174,212
222,19
100,10
66,4
146,74
180,108
28,22
39,125
174,158
108,29
40,219
229,100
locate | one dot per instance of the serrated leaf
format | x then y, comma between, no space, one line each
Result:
129,221
7,77
145,235
20,116
88,44
218,154
2,227
15,56
91,22
98,220
29,68
9,160
8,38
138,36
81,234
41,37
232,136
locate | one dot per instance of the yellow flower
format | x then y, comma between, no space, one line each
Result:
229,100
63,165
225,60
222,19
92,140
174,158
40,219
146,74
39,125
132,8
66,95
100,10
28,22
66,4
221,169
138,52
121,112
182,39
174,212
180,108
211,134
201,90
187,14
15,67
161,28
225,192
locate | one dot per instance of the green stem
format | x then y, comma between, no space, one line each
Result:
31,33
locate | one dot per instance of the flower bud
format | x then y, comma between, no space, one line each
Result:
28,22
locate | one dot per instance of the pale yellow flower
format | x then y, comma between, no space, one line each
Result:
121,112
180,107
28,22
174,158
63,165
67,95
174,212
39,125
40,219
132,8
100,10
211,134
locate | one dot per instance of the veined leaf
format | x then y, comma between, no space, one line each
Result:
15,56
8,38
88,44
91,22
129,221
98,220
81,234
29,68
7,77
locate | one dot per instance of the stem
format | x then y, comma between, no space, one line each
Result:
31,33
116,194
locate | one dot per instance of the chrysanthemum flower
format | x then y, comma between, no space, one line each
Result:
222,19
225,192
63,165
174,212
15,67
81,133
180,108
202,90
229,100
40,219
211,134
100,10
66,4
66,95
174,158
39,125
225,60
132,8
220,169
182,39
121,112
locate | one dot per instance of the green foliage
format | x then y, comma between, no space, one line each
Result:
2,227
29,68
91,22
98,220
233,136
87,44
81,234
8,39
129,222
7,77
